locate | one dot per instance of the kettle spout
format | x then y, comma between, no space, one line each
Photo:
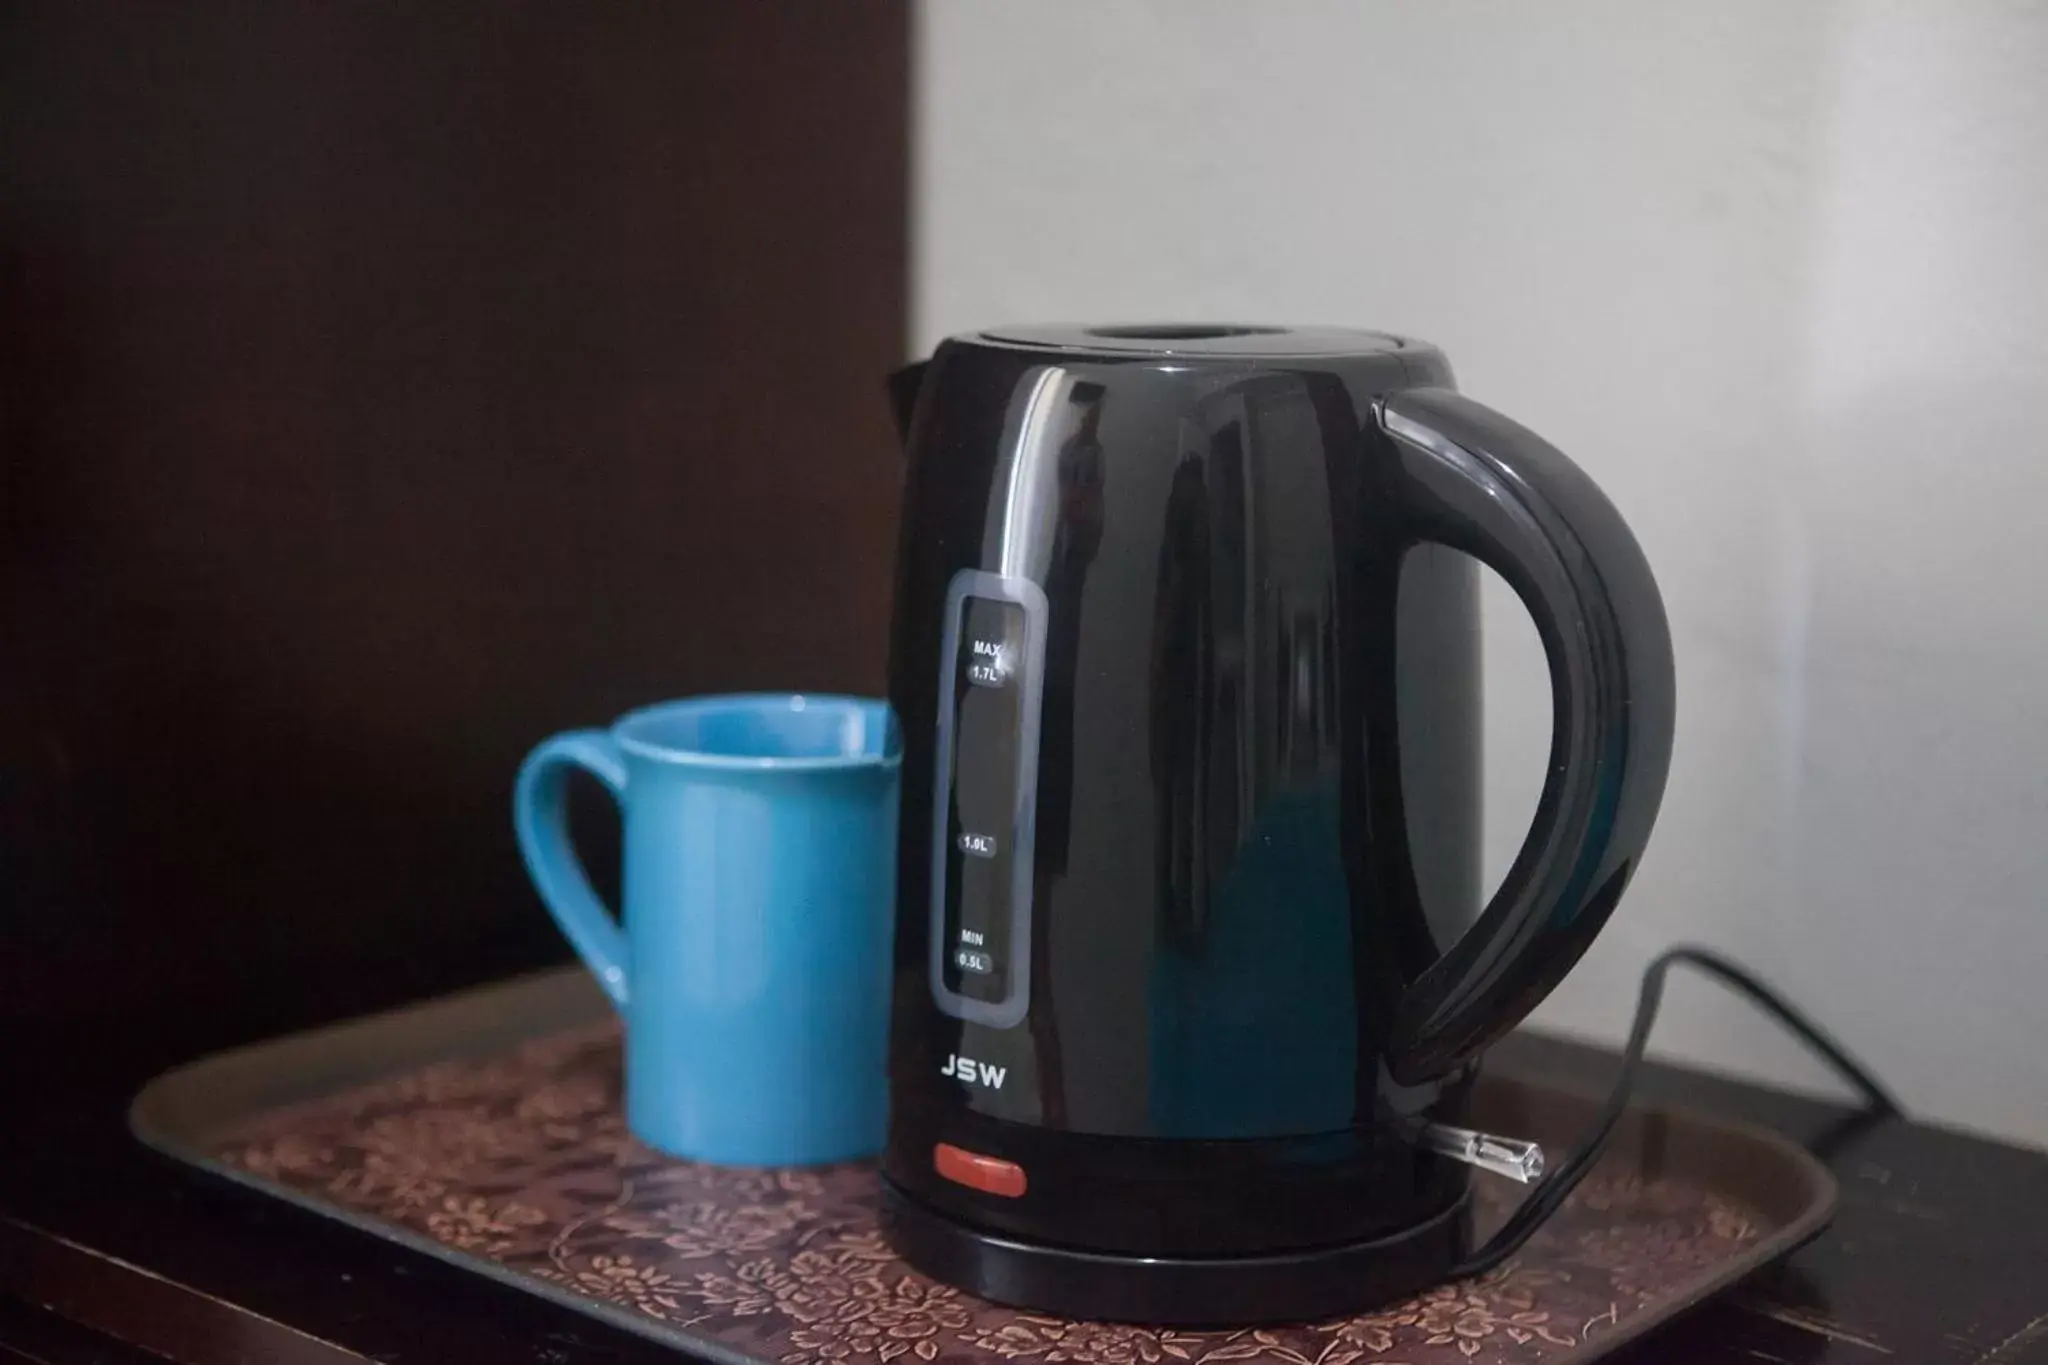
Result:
903,388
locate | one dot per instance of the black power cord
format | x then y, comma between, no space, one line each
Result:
1555,1188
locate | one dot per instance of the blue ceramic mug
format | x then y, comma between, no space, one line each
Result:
752,968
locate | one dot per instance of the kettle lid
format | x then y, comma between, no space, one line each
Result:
1202,339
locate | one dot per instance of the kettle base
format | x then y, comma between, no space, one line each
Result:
1207,1291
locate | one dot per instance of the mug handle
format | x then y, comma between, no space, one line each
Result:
540,817
1480,483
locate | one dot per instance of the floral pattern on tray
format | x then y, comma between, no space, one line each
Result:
524,1160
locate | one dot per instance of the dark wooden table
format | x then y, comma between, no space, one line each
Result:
110,1253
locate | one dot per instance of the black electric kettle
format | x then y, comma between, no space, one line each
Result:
1190,935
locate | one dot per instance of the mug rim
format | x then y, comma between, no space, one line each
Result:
891,756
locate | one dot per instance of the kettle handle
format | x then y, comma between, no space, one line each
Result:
1478,482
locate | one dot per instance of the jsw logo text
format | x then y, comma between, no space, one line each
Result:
973,1072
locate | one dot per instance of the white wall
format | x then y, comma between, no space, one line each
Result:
1777,275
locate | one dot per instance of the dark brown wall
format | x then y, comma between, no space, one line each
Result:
383,386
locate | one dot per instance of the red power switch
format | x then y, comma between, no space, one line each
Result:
990,1175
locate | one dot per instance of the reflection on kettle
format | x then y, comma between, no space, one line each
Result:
1253,1025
